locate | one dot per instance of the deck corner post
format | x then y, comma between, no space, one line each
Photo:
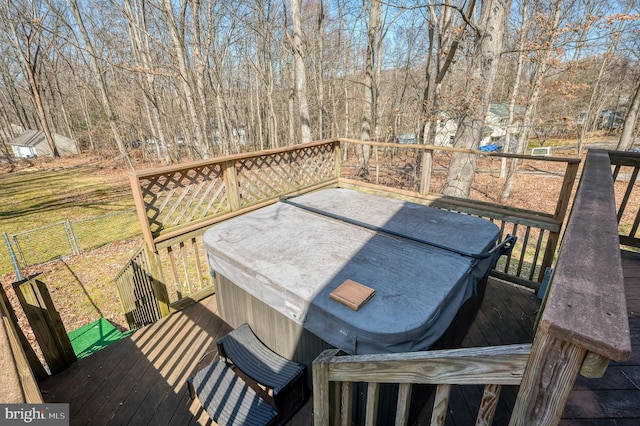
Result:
337,154
141,209
427,169
46,323
231,183
159,287
548,379
321,388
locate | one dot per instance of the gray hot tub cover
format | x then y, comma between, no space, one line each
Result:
292,258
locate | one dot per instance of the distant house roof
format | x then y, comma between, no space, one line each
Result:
37,140
501,109
28,138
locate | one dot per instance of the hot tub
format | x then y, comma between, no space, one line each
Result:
275,268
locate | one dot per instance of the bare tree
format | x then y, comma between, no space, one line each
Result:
24,23
592,108
300,72
628,128
483,69
445,34
538,74
102,84
369,99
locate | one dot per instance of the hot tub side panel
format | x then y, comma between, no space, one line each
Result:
283,335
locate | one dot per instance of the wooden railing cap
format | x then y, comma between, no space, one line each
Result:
586,303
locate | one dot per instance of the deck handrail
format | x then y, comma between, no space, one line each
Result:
584,323
333,377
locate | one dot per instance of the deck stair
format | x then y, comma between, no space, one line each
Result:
250,384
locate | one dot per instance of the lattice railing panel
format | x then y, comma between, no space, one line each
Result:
184,196
268,176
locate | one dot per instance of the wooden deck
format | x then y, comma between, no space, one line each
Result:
141,379
615,398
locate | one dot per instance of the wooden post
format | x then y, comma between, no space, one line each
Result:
36,366
561,210
338,152
427,166
321,388
231,185
46,324
547,381
159,287
594,366
585,308
141,210
18,381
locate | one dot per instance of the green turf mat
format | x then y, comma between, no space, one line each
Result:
93,337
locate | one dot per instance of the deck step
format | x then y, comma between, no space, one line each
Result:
287,379
243,348
228,399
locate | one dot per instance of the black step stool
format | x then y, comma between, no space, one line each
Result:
230,400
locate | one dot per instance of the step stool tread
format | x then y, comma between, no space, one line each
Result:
243,348
228,399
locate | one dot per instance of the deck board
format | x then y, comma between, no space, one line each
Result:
141,379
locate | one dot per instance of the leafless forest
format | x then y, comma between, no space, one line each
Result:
193,79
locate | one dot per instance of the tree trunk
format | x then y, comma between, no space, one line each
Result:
591,111
37,99
292,108
300,72
369,109
320,60
516,85
439,60
32,38
626,138
102,85
529,113
180,53
484,64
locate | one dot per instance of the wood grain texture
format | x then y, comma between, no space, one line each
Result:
46,324
586,299
402,408
321,395
352,294
594,366
488,405
441,404
500,365
548,380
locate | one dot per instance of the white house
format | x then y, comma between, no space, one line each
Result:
33,143
494,130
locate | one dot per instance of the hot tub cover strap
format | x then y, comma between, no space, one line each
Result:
495,252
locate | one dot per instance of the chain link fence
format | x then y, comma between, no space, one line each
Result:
68,238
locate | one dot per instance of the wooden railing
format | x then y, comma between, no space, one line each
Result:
334,377
625,176
176,204
17,365
584,324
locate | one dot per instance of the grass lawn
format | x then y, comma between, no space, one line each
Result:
41,192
